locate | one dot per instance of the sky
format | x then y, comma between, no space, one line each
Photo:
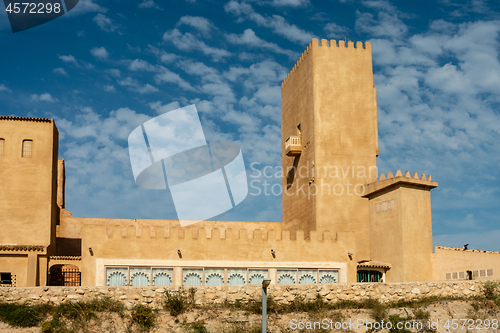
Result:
106,67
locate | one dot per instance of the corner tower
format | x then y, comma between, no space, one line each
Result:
330,140
28,197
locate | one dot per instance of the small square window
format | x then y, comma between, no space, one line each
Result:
5,278
27,148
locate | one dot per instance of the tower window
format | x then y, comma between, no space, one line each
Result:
299,132
2,144
27,148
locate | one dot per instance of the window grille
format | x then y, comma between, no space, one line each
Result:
192,277
286,276
236,277
256,276
27,148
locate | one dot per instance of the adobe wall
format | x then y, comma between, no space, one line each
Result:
70,226
159,246
28,198
154,296
297,108
345,114
401,225
452,263
330,93
28,185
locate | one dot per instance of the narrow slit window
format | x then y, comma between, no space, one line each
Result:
2,144
27,148
299,132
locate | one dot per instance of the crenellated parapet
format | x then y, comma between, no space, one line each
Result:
214,234
373,185
333,45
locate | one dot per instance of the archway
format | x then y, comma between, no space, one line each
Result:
64,275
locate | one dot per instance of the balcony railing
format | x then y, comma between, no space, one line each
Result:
293,146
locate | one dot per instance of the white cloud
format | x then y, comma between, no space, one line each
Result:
105,23
207,73
188,42
141,65
277,23
134,85
384,25
201,24
149,4
114,72
100,52
168,57
166,75
449,80
86,6
4,88
60,71
289,3
250,39
43,98
109,88
334,30
98,166
68,58
161,109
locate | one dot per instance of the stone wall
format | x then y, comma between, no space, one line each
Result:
154,296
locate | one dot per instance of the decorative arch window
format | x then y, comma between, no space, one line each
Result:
287,276
2,145
27,148
192,277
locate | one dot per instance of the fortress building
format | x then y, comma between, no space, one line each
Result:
340,222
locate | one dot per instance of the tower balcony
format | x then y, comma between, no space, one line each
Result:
293,146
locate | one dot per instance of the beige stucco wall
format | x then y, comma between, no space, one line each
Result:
28,198
346,136
401,227
297,108
452,260
27,182
158,246
330,93
16,264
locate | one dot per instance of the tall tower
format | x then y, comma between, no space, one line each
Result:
28,197
330,140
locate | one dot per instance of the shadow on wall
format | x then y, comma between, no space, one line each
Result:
69,247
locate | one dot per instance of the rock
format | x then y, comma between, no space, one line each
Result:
74,297
149,293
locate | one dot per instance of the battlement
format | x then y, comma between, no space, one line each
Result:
41,120
462,250
331,44
214,234
372,186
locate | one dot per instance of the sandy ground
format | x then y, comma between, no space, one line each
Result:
445,316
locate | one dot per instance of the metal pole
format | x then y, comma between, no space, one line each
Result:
264,309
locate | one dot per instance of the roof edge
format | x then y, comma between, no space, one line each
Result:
41,120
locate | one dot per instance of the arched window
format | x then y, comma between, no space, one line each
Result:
2,144
27,148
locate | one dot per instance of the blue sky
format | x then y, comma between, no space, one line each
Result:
108,66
